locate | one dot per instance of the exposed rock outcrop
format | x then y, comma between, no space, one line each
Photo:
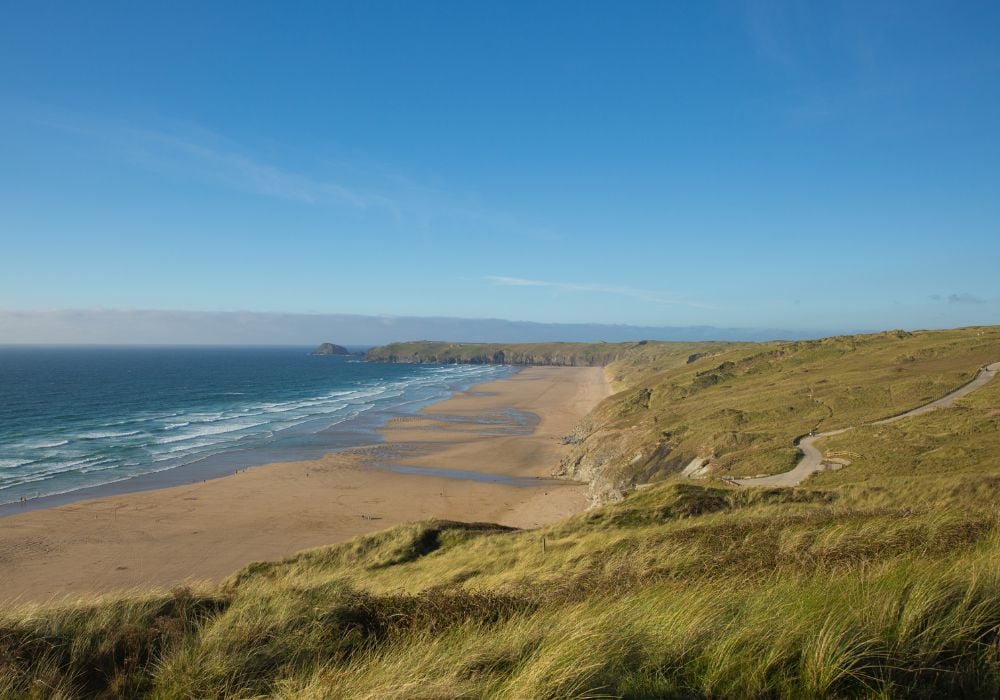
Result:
330,349
551,354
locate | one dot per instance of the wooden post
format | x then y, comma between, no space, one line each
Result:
543,544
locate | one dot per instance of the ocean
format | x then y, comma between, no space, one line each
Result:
76,418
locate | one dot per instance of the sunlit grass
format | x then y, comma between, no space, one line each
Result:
741,406
773,593
878,580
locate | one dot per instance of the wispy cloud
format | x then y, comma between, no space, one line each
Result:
432,209
641,294
962,298
213,158
164,327
199,154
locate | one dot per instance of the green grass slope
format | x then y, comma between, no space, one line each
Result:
556,354
878,580
740,408
680,591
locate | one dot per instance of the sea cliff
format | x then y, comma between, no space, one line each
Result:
330,349
544,354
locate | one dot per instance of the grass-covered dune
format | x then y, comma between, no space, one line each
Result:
678,591
739,407
554,354
881,579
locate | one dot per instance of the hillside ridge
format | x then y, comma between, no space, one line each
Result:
881,579
542,354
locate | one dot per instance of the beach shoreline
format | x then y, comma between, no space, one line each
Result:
485,454
355,430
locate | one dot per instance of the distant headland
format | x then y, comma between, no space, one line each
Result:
330,349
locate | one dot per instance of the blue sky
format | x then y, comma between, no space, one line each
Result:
799,165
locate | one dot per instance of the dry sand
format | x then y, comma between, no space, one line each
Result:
206,531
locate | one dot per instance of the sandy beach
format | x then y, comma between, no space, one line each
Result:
501,438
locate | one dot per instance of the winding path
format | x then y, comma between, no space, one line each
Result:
812,457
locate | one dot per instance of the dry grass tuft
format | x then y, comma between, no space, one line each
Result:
878,580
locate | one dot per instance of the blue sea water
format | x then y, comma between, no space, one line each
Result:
73,418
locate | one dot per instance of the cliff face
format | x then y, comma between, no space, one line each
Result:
546,354
729,409
734,411
330,349
600,446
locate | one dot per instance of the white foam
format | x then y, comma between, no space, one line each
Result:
47,445
191,447
102,436
208,417
101,468
201,432
186,436
46,474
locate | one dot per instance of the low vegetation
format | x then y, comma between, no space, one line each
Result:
555,354
878,580
740,408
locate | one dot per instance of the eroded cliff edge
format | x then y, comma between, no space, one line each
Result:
730,410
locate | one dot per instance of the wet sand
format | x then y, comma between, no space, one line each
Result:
483,455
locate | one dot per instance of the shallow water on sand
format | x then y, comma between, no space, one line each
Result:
73,418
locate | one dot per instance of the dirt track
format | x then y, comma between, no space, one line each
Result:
812,457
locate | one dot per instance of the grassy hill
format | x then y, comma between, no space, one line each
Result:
878,580
555,354
737,406
741,407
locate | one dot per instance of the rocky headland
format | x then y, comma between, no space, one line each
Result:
330,349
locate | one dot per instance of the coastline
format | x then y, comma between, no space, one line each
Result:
358,430
505,431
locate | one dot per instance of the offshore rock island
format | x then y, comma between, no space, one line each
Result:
330,349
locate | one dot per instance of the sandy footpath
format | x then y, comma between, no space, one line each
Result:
812,457
508,428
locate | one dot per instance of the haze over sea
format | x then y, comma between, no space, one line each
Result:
79,417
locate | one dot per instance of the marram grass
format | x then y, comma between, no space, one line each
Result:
844,609
880,580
